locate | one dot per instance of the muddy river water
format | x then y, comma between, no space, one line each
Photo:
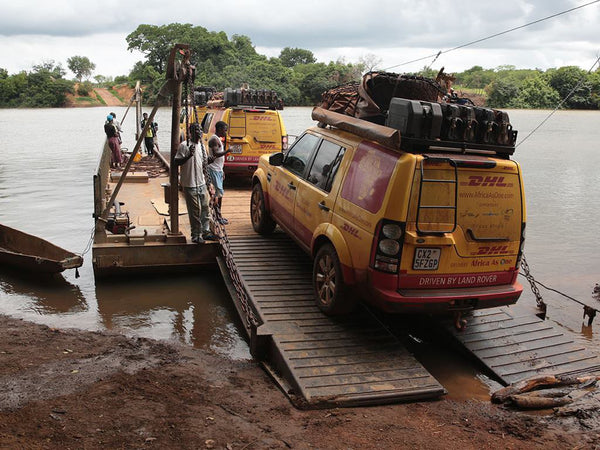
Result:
48,158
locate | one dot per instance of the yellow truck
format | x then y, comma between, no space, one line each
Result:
255,126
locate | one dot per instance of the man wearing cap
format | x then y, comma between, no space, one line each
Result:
112,134
117,125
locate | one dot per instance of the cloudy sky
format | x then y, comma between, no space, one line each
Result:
393,31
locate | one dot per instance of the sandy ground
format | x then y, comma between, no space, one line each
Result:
78,389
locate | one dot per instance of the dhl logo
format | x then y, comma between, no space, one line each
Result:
480,181
492,250
283,190
262,118
268,147
350,229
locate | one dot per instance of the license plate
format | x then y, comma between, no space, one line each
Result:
236,148
426,258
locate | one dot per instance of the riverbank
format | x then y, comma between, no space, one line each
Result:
118,95
70,388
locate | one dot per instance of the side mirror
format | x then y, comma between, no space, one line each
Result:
276,159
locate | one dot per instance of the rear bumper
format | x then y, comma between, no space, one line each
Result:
245,168
439,301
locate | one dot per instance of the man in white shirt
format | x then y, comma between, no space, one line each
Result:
190,159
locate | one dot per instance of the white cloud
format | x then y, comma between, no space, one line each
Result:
396,31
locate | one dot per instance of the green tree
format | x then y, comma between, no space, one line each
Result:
573,81
501,92
291,57
476,77
535,93
81,66
42,87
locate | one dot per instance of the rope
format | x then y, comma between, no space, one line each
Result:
477,41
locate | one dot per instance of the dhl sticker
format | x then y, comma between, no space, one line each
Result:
480,181
491,250
262,118
350,229
283,190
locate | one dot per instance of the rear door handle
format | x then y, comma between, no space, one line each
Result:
291,186
322,206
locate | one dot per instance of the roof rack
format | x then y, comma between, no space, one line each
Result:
417,126
425,124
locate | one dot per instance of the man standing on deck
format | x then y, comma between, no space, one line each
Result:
117,125
216,160
112,135
150,135
190,158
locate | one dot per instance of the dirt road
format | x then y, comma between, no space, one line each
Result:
108,98
77,389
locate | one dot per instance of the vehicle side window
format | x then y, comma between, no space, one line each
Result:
299,155
325,165
206,122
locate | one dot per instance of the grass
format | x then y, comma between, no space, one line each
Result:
85,100
467,90
100,99
115,93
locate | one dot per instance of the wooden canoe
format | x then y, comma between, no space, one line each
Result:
23,251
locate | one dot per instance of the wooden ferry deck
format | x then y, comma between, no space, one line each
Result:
149,246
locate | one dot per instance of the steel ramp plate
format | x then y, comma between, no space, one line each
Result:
323,361
515,345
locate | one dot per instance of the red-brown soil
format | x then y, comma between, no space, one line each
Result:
78,389
123,90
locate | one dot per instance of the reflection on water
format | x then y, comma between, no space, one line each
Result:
50,295
561,183
190,309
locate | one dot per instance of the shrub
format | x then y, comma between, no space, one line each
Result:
84,89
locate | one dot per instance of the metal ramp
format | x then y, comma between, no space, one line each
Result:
517,345
316,359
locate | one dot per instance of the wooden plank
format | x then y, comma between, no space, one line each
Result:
532,337
529,345
501,333
351,364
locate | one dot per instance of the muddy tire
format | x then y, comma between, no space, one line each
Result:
262,222
331,292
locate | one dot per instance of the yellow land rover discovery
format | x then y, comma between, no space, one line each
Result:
434,228
255,126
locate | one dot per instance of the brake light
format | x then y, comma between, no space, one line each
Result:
284,143
387,246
